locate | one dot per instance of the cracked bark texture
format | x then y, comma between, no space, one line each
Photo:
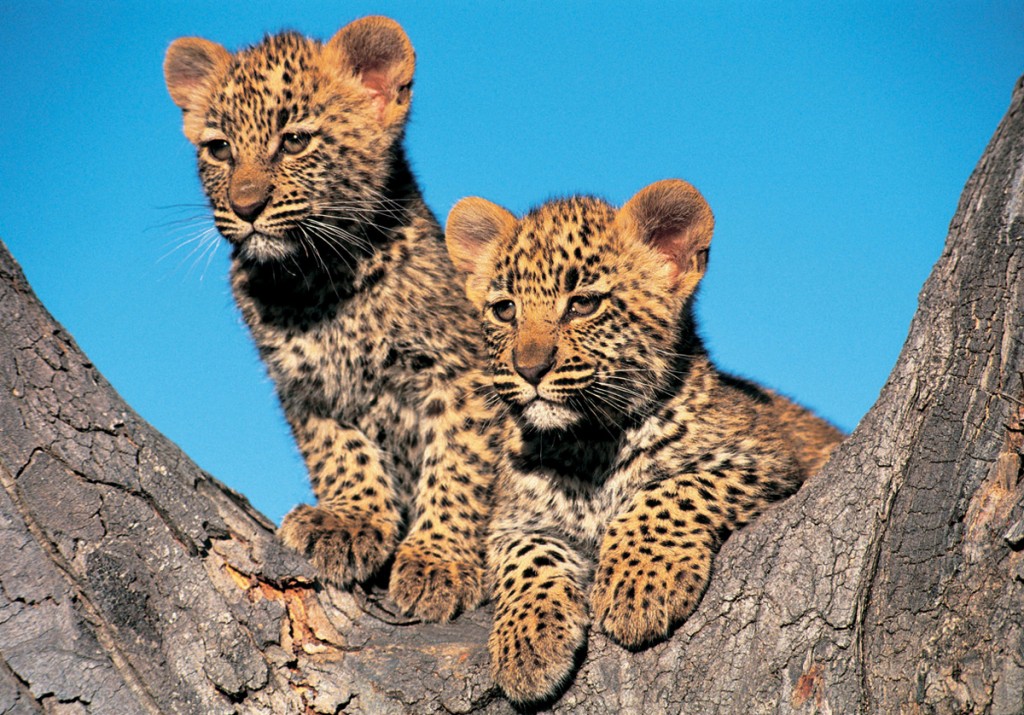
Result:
133,582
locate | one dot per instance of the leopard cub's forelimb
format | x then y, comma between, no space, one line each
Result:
354,528
541,615
655,559
439,567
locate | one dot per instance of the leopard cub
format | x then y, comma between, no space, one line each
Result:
634,457
339,270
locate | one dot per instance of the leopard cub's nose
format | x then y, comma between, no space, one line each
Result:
533,371
249,211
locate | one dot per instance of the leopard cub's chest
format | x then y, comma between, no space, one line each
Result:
577,493
580,491
334,353
338,364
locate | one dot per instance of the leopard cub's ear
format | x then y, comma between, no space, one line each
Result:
473,229
673,218
473,225
377,51
192,68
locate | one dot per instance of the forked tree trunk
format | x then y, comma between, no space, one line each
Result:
131,581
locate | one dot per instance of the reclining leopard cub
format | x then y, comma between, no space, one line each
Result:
635,457
340,272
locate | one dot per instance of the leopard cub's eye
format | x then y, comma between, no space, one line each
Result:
504,310
219,149
295,142
582,305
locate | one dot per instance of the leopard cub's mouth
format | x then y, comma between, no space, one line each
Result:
546,415
265,248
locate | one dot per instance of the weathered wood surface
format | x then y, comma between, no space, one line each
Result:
132,582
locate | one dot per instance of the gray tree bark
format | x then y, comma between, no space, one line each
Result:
133,582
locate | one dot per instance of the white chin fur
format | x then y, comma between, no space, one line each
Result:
546,415
267,248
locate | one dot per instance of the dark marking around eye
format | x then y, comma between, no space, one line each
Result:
572,277
282,119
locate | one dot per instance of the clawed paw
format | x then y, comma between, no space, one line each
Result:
637,608
345,547
534,645
433,585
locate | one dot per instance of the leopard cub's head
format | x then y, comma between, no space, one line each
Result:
295,137
583,305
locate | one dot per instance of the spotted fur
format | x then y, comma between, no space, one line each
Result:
635,458
340,272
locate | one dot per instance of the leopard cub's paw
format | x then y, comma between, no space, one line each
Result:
632,603
344,547
534,644
434,585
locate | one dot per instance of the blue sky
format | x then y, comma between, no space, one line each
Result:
831,140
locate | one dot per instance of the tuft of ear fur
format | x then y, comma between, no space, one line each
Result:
377,51
473,228
672,217
192,67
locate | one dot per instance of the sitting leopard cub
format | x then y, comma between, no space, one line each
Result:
340,272
635,457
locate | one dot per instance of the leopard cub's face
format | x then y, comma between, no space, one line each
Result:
274,146
581,314
294,137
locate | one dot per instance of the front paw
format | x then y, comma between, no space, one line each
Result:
345,547
535,642
637,601
632,606
435,585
